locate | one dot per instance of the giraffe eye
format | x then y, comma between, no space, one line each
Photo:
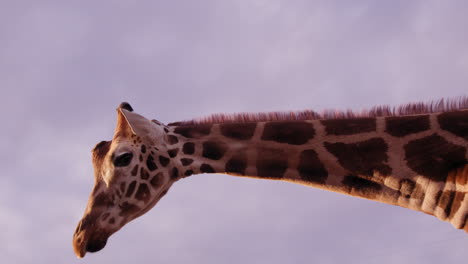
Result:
123,159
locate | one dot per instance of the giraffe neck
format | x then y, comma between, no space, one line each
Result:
410,161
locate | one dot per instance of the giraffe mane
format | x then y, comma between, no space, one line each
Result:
415,108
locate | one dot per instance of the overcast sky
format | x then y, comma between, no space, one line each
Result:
66,65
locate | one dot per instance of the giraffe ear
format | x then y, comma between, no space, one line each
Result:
130,123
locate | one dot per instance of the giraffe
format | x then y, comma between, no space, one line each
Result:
414,156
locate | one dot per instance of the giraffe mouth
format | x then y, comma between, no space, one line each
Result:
93,243
88,238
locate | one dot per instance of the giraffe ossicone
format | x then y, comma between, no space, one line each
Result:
416,158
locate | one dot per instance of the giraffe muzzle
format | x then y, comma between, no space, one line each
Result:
88,238
83,243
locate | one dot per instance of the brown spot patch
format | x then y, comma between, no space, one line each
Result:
271,163
174,173
349,126
188,148
163,160
457,201
131,188
143,148
418,193
128,209
241,131
434,157
362,187
102,199
171,139
311,168
156,181
292,132
172,152
193,131
143,193
400,126
135,170
186,161
237,164
205,168
122,187
410,189
455,122
144,173
362,158
188,172
406,188
446,201
150,163
112,221
437,197
214,150
105,216
463,225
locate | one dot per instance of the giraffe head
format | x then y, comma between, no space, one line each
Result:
132,172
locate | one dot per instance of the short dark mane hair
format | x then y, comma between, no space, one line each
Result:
415,108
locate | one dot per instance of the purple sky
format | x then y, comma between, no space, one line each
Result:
64,68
